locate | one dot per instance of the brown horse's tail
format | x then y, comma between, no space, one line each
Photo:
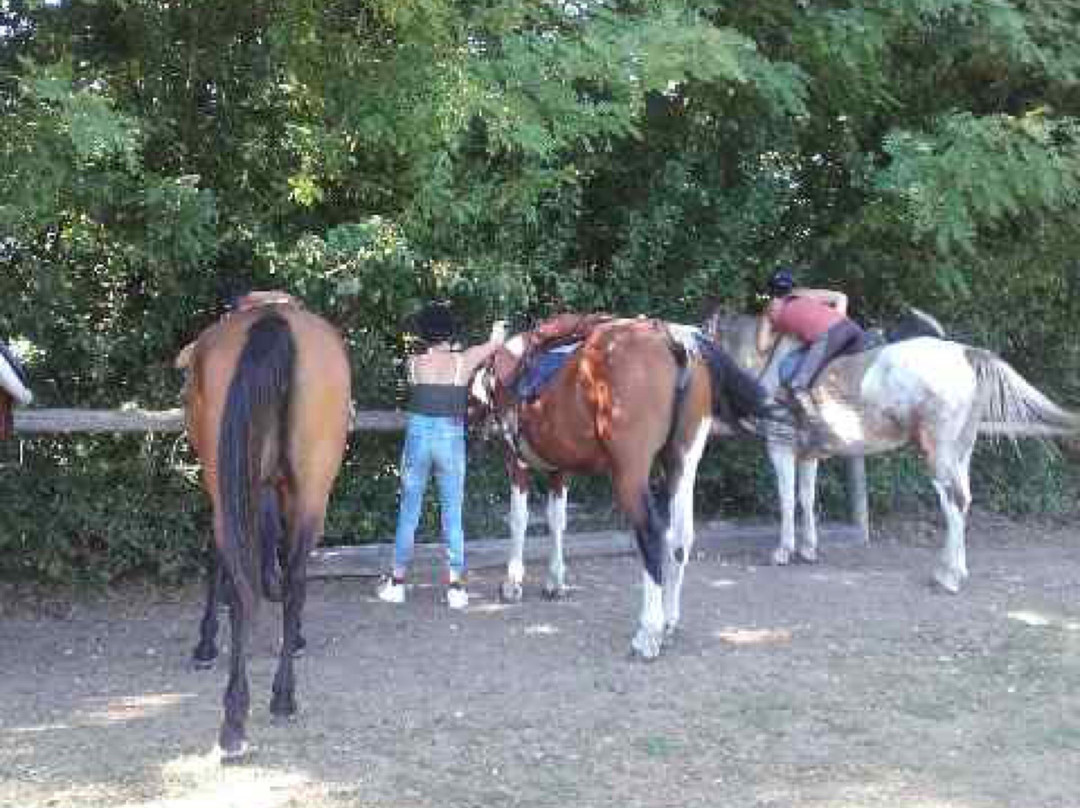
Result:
1012,406
252,427
736,394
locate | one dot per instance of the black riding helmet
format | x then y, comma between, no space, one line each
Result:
781,282
435,323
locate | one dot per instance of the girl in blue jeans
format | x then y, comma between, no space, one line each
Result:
435,442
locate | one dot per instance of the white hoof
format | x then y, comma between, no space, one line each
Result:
510,592
780,557
233,756
646,644
949,579
806,555
555,592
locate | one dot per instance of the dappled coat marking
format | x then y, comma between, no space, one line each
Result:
930,392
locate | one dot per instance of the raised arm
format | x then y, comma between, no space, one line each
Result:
475,355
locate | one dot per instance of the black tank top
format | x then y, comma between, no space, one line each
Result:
440,400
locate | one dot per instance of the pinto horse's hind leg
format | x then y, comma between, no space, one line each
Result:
648,516
555,587
681,467
806,472
511,589
782,456
951,481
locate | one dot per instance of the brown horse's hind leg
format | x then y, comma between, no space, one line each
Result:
270,535
206,651
237,701
283,702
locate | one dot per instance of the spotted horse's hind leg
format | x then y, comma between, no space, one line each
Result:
946,444
806,475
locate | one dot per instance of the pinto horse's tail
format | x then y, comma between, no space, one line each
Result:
1012,406
251,435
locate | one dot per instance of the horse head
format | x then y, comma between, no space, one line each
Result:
491,387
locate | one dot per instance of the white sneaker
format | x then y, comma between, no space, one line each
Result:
457,597
390,591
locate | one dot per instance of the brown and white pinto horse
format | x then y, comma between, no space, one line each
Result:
926,391
634,395
267,412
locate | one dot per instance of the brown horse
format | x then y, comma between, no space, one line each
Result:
267,412
634,394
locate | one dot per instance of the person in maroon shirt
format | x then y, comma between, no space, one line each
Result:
818,317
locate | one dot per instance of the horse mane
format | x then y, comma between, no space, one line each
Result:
915,323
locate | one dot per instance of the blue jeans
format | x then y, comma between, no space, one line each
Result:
432,442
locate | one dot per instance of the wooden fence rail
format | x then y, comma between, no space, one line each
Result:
71,421
61,421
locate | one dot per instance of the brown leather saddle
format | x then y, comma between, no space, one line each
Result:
555,332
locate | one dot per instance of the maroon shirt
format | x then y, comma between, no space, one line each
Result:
804,317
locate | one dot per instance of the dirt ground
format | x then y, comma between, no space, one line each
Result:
846,684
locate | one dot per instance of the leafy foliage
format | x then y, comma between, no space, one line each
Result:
517,158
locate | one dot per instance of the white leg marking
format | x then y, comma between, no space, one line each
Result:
950,572
556,517
682,528
515,568
807,490
650,633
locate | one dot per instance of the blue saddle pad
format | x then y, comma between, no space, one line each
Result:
789,365
542,369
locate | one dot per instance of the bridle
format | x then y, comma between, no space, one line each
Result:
506,419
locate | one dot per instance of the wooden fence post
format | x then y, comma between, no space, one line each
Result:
857,496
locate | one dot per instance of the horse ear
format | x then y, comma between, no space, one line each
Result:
710,307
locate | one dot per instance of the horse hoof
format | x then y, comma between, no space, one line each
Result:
233,746
510,592
283,719
299,649
646,645
948,581
806,555
283,709
780,557
203,660
556,592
